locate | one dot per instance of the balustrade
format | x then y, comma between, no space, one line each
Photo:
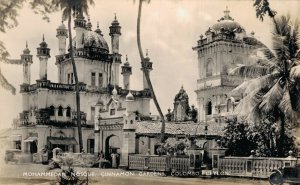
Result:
50,85
260,167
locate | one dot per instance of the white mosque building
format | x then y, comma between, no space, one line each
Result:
49,109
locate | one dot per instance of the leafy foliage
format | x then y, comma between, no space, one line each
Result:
236,138
240,138
262,8
275,96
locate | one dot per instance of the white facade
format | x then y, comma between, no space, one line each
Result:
225,46
49,109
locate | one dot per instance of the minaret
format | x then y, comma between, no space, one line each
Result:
129,128
89,25
80,27
126,72
43,53
148,66
62,35
26,59
115,32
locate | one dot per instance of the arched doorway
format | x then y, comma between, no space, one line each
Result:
112,145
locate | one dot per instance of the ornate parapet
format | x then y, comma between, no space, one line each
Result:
52,86
219,80
137,94
24,118
82,115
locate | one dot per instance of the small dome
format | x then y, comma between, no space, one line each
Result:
43,44
114,91
62,26
100,102
93,40
98,30
26,50
126,63
89,25
129,97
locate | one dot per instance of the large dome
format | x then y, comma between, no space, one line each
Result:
227,25
92,39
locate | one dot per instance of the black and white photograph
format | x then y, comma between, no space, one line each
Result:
149,92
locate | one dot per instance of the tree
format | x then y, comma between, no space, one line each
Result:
262,8
236,138
240,138
8,19
69,8
275,94
146,72
44,7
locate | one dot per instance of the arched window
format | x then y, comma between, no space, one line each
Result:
52,110
229,106
60,111
68,114
209,67
209,108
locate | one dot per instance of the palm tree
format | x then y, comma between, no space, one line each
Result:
69,8
275,94
146,72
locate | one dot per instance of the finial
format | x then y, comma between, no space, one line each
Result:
97,24
226,12
26,44
115,16
146,52
88,18
43,37
182,86
126,58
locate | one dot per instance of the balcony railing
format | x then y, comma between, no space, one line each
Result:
49,85
259,167
218,80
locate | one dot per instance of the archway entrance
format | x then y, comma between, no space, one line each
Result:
112,145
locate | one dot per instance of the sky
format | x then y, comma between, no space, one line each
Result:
169,30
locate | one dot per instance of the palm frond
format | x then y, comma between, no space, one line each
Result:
6,85
295,73
248,104
255,85
250,71
248,109
286,107
272,98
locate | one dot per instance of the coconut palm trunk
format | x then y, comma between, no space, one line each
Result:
78,118
146,73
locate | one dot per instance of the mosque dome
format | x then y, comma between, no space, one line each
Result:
93,40
227,24
129,97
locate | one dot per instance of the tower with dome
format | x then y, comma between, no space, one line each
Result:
226,45
48,117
